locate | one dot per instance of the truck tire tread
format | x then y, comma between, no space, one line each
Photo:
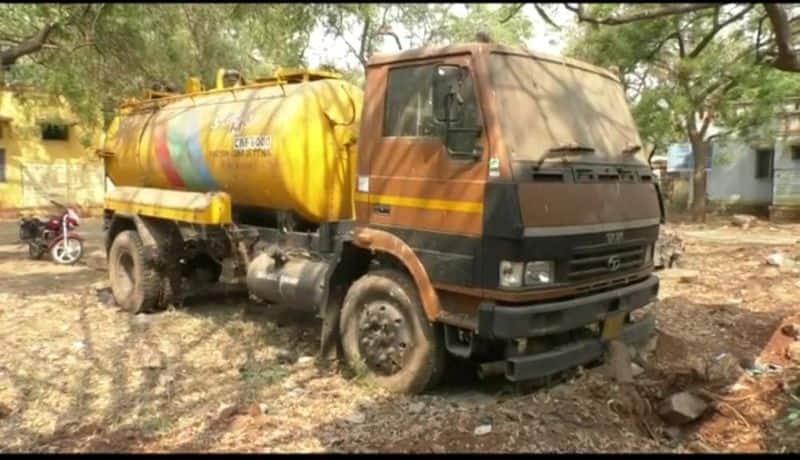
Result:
426,366
147,285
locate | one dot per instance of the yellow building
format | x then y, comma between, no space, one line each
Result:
45,153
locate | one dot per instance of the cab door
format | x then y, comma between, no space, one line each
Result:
426,176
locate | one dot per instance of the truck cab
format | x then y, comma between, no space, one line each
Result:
519,184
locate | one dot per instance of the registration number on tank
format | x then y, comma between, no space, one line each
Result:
245,143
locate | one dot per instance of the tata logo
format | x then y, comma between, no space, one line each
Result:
613,263
614,237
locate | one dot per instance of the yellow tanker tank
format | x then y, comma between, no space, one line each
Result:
277,144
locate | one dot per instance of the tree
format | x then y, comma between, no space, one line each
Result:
687,72
784,21
415,25
99,54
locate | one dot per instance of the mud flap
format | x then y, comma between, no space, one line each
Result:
163,246
330,345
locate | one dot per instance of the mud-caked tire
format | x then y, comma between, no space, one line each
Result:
134,281
386,336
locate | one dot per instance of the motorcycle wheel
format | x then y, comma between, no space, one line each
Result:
34,251
67,254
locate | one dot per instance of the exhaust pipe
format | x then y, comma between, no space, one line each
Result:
492,368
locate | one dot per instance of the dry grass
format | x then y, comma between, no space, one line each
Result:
78,375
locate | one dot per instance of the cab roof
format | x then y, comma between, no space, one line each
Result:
476,48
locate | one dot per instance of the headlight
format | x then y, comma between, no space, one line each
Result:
511,273
539,272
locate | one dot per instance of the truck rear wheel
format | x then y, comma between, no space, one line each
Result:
386,334
134,281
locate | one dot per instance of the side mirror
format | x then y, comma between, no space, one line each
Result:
447,82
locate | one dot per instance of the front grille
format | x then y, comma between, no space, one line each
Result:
600,260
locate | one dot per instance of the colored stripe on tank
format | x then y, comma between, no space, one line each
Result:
163,155
196,154
179,154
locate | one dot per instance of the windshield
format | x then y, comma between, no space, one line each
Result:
547,105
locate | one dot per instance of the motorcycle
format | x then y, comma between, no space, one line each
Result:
55,235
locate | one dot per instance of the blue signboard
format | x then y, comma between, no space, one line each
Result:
681,158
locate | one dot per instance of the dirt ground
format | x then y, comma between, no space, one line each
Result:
225,375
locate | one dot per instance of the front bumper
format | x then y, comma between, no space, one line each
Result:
518,322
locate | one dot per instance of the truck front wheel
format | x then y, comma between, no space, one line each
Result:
386,335
134,281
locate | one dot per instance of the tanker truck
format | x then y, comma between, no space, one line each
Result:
473,202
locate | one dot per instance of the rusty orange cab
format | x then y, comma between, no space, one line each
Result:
504,212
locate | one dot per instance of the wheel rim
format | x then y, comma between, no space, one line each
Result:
384,337
67,251
124,275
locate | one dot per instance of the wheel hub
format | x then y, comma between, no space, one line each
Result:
384,337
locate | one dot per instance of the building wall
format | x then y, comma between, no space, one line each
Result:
786,169
732,178
38,170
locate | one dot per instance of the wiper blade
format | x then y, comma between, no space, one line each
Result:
631,149
562,150
566,149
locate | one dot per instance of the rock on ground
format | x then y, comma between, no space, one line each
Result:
793,352
743,220
682,408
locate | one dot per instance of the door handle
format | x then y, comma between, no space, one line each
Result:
382,209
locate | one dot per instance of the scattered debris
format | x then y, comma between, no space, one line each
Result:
682,408
416,407
619,362
636,370
673,433
791,330
723,369
793,352
226,411
743,220
668,248
106,297
682,275
482,430
151,359
356,418
305,360
762,369
5,411
776,260
285,357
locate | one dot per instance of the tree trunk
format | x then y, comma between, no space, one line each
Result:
700,149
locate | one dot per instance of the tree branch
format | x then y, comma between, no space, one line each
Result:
640,16
514,10
787,57
543,14
715,30
28,46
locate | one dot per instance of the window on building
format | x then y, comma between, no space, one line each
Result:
2,165
764,163
795,149
55,132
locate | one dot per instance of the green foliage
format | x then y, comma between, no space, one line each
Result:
678,70
101,54
486,17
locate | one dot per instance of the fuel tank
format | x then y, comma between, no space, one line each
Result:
277,145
